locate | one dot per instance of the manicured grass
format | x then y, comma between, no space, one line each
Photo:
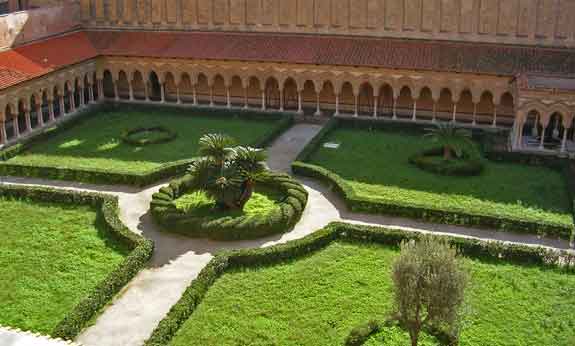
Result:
375,163
95,143
51,257
198,204
395,336
318,299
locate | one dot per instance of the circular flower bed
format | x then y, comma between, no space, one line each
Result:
142,136
432,161
278,204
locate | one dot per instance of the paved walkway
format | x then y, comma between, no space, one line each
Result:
15,337
177,260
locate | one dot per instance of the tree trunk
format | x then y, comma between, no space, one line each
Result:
447,153
247,191
414,335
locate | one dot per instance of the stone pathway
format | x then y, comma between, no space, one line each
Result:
15,337
177,260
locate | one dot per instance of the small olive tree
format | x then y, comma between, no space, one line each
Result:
429,286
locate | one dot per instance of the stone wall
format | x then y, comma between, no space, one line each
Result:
25,26
533,22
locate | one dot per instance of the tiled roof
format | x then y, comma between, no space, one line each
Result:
32,60
308,49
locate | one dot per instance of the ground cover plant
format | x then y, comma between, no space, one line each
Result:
95,143
52,256
375,164
318,299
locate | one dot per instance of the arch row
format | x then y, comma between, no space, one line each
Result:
478,100
545,126
42,101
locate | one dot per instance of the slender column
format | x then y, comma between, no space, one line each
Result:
100,85
131,90
146,91
375,104
434,111
542,141
355,113
394,108
116,94
281,100
51,110
82,100
564,141
336,105
229,101
28,120
195,95
211,96
3,136
246,106
178,98
556,129
454,112
263,100
91,94
62,105
317,107
299,108
16,127
39,114
494,124
163,93
535,129
414,115
72,102
474,114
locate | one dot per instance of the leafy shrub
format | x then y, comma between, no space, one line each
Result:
163,135
142,250
463,167
360,334
250,258
290,209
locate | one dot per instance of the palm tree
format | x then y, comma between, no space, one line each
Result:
452,138
227,174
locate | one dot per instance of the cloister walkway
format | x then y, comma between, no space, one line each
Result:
177,260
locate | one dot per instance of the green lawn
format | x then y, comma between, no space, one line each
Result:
51,257
95,143
375,163
317,300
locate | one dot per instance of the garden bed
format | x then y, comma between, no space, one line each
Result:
64,256
90,149
275,208
371,170
314,291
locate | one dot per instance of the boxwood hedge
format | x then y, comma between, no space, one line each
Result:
141,251
437,215
291,207
251,258
102,176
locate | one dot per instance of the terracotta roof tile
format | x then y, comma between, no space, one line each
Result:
28,61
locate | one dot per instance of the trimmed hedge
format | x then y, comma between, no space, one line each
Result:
141,251
464,167
102,176
252,258
167,136
172,219
436,215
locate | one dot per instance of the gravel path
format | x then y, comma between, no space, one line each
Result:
177,260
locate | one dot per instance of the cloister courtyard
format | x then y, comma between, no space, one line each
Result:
87,280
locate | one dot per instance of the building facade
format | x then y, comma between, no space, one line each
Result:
479,63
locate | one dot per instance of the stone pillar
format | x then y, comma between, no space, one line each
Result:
228,100
281,100
195,95
453,120
317,106
246,106
211,96
39,115
62,105
564,141
414,115
178,98
100,84
474,114
433,112
28,120
51,110
146,92
395,108
131,90
375,104
116,94
16,127
263,100
72,102
336,105
355,112
3,136
494,124
162,93
299,108
542,135
91,93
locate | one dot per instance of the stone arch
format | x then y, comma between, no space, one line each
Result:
67,97
485,108
77,90
445,105
22,108
347,98
86,88
123,85
309,95
254,91
466,108
34,102
272,93
108,86
290,94
203,89
405,103
138,85
219,90
10,115
56,104
237,92
365,99
425,104
186,88
327,97
45,105
506,110
385,100
171,87
154,86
